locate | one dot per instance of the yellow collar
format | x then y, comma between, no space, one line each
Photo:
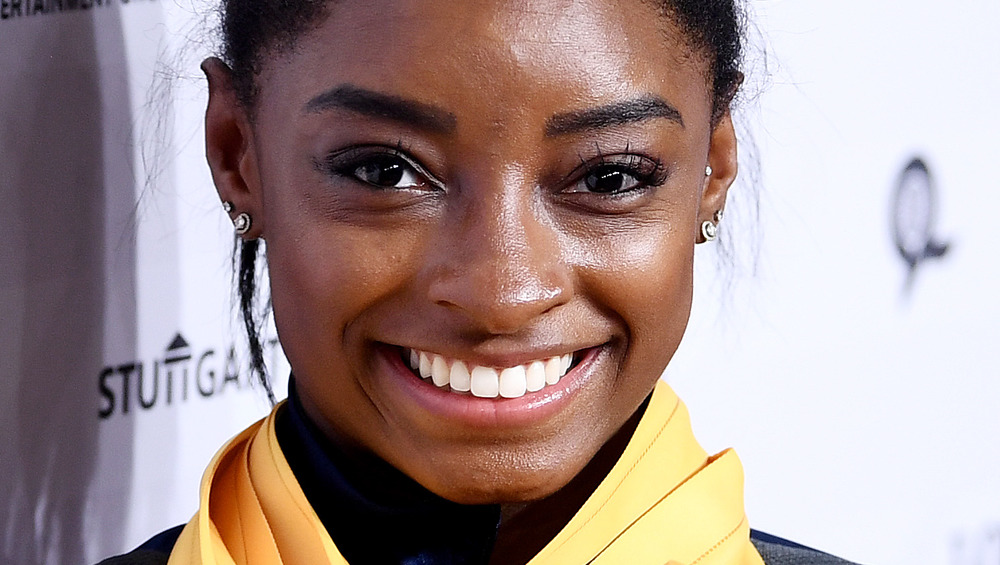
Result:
664,501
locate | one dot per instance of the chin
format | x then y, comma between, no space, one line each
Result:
506,479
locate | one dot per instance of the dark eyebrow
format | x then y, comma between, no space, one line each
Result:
619,113
385,106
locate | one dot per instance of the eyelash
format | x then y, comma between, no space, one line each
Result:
347,163
646,172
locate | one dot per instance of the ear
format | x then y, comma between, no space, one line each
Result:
230,148
722,158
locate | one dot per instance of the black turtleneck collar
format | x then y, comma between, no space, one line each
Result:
413,526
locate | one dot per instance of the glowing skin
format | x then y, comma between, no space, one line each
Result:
485,241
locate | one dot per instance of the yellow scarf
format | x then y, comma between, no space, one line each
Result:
665,501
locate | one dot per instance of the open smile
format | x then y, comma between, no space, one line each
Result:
483,394
462,377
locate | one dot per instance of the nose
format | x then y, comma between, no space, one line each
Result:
498,262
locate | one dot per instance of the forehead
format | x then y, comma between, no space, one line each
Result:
495,58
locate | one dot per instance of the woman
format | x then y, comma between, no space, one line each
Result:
480,220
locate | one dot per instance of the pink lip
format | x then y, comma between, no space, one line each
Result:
472,411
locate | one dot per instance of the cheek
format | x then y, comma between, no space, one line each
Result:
327,276
644,276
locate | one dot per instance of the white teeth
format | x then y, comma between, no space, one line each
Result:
461,380
425,365
553,370
512,382
439,371
534,377
485,382
489,382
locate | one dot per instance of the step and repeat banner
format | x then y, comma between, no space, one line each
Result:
123,368
847,343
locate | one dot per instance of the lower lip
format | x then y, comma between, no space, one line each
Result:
468,410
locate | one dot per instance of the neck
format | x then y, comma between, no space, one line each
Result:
525,528
353,492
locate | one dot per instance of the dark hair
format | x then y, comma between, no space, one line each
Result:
716,28
253,30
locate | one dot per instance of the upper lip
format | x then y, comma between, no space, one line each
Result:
497,359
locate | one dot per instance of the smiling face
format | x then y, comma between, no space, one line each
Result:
507,193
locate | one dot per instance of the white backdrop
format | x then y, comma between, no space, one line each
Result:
861,399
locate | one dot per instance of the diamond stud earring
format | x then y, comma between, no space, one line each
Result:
242,223
709,230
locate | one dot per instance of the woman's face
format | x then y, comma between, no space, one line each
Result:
496,187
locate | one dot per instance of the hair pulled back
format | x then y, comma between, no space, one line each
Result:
253,30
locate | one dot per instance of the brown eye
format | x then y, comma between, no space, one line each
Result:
378,167
619,175
387,171
610,180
